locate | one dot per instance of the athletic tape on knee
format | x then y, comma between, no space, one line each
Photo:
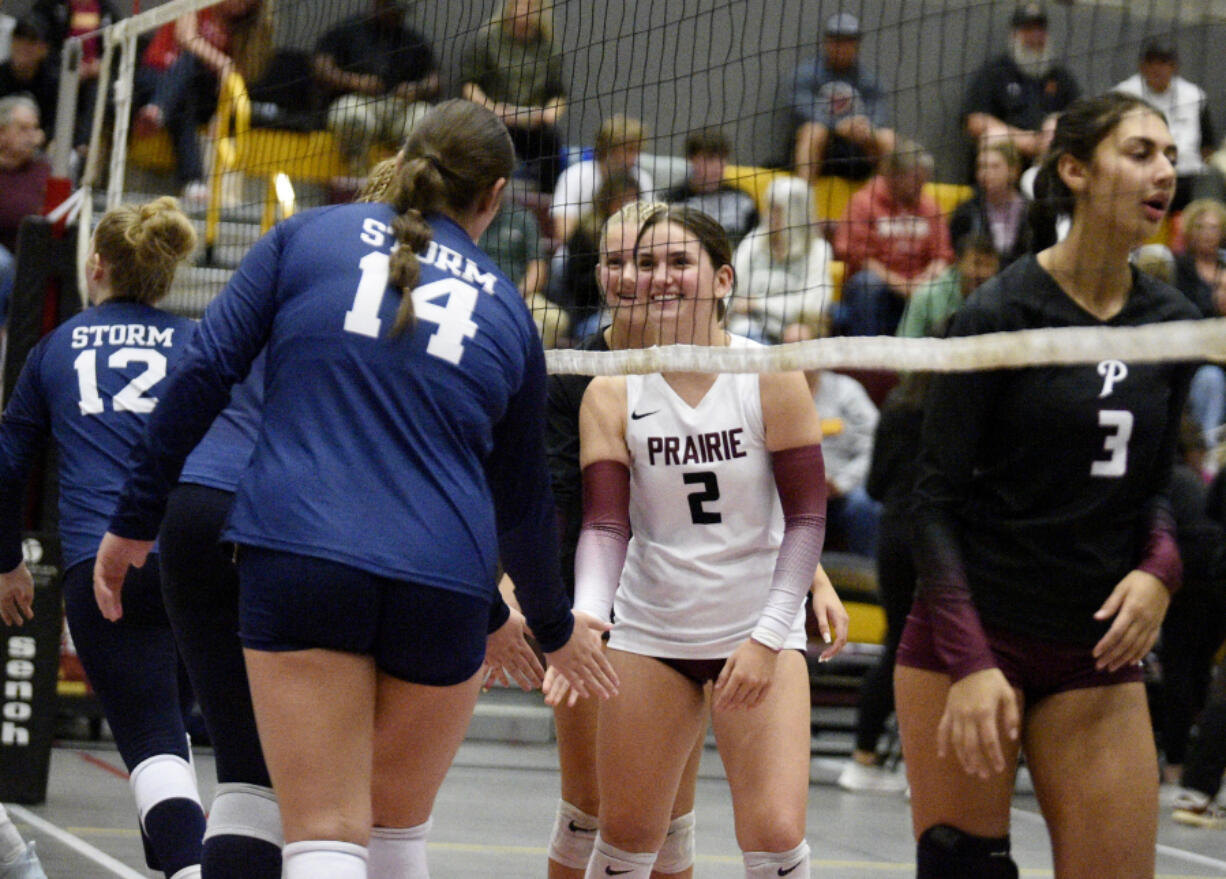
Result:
677,853
574,834
245,810
609,860
323,859
399,852
162,777
793,863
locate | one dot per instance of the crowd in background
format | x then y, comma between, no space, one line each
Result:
904,266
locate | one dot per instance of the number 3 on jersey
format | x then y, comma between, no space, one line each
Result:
1119,424
454,320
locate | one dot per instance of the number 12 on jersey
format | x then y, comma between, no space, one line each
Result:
454,320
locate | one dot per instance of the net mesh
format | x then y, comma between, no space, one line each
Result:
650,74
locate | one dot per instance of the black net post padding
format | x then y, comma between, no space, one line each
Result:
30,667
45,292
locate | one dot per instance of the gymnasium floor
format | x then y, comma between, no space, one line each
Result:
496,808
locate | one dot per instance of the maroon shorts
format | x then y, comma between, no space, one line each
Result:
1037,668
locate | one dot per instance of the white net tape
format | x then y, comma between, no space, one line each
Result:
1195,340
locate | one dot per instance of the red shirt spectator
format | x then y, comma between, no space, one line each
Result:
905,236
23,174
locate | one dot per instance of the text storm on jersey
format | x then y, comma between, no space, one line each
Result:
698,448
137,335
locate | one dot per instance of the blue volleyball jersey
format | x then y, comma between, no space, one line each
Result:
221,457
91,384
417,456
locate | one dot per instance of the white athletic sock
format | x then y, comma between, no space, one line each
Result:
608,860
792,864
398,852
12,846
323,859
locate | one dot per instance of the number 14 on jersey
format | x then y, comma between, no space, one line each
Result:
454,319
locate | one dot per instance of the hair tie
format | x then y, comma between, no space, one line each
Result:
439,166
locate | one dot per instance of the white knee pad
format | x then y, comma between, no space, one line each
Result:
399,852
245,810
677,853
608,860
574,834
162,777
792,864
323,859
192,872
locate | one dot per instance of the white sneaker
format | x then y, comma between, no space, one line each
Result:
1198,810
25,867
863,779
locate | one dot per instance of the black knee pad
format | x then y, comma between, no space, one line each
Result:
945,852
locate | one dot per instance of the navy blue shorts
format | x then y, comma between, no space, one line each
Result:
420,634
1037,668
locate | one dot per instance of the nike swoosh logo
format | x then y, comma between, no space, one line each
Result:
575,828
609,871
637,415
783,872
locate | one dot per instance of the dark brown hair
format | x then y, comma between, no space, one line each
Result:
1082,126
710,234
142,245
455,154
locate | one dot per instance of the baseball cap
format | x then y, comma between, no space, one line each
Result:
1030,14
843,25
1159,49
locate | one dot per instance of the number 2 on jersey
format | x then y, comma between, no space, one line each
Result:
710,492
131,398
1119,423
454,320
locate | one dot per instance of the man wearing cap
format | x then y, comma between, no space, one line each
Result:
1011,94
378,74
1187,113
839,108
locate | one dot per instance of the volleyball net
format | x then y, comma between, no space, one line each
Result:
695,89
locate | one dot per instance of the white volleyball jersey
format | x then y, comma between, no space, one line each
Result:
705,517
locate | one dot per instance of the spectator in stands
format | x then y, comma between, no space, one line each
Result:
997,209
378,75
891,478
185,64
1201,274
893,239
23,181
1195,622
935,301
514,70
1186,108
513,242
75,18
1011,94
29,69
704,188
579,290
782,267
618,144
849,419
1046,132
839,108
